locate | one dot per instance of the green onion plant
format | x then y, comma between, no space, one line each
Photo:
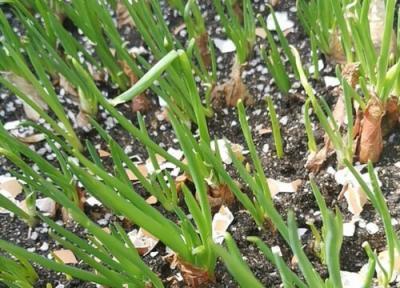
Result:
342,145
323,21
16,63
272,56
374,193
240,31
332,237
276,130
150,23
17,272
120,197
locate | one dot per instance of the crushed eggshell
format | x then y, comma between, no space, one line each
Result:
66,256
224,152
276,250
356,199
34,138
151,200
331,81
344,176
301,231
276,186
225,46
353,279
91,201
11,125
142,169
384,259
353,193
160,160
143,241
47,206
103,153
283,21
321,66
220,224
11,185
9,197
260,32
178,154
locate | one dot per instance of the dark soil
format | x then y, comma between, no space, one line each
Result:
225,123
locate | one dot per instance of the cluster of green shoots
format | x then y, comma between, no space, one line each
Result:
331,236
361,34
49,50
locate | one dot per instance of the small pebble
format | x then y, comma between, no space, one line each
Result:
34,235
348,229
44,247
284,120
265,148
372,228
153,254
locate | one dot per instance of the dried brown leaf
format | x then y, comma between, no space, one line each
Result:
141,103
123,16
128,72
80,195
336,52
82,120
316,160
193,276
202,44
339,111
238,9
220,195
67,86
351,72
391,117
371,140
274,2
232,91
97,75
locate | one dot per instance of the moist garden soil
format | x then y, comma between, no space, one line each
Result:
225,123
